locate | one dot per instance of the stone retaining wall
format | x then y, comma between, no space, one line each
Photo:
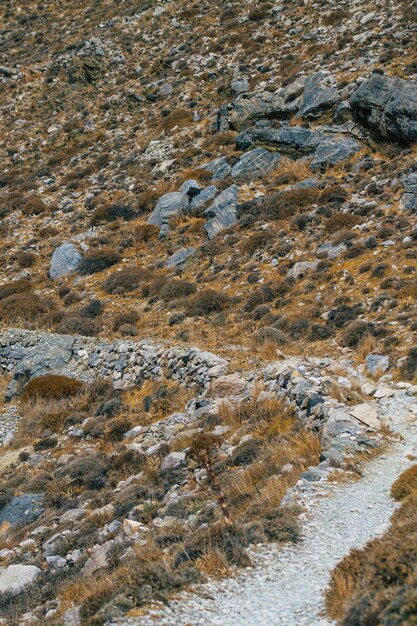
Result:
26,354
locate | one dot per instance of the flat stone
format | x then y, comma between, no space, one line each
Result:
180,257
23,509
15,578
366,413
173,461
168,206
222,212
300,268
254,164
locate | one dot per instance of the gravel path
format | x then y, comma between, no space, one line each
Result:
286,585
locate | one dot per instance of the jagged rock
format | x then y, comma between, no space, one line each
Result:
190,187
222,212
319,95
408,200
169,205
389,106
179,257
15,578
98,557
72,617
251,107
173,461
219,168
334,150
23,509
300,268
377,363
327,148
64,260
254,164
203,198
338,424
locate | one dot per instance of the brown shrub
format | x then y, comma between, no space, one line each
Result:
207,302
257,240
17,286
110,207
285,204
74,324
127,279
26,259
99,260
340,221
24,306
145,232
176,288
406,484
34,206
52,387
178,117
128,317
147,200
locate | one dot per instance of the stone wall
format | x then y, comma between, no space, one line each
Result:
26,354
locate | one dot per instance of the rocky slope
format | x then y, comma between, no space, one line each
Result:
208,226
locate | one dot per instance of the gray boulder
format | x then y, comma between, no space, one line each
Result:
206,194
64,260
219,168
22,510
173,461
389,106
300,268
168,206
255,164
179,257
190,187
319,95
408,200
377,363
223,212
15,578
334,150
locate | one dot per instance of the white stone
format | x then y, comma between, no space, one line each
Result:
16,577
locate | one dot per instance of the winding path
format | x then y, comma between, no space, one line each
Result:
285,588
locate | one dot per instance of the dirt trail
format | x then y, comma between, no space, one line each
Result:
287,583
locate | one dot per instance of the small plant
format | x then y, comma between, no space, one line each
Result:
127,279
406,484
207,302
98,260
34,206
202,450
145,232
52,387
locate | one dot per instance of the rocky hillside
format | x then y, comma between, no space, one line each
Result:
209,242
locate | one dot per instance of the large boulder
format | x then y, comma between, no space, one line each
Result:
409,198
179,257
255,164
389,106
64,260
223,212
15,578
168,206
319,95
333,150
22,510
219,168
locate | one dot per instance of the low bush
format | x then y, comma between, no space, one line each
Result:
207,302
127,279
34,206
24,306
340,221
256,241
176,288
93,309
178,117
119,205
51,387
128,317
26,259
145,233
76,325
17,286
406,484
286,204
98,260
409,369
355,332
